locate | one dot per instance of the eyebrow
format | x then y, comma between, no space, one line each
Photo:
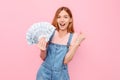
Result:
63,15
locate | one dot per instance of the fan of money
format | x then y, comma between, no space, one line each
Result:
39,30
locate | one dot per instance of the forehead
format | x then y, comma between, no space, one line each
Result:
63,12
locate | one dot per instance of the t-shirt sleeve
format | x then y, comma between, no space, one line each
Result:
75,35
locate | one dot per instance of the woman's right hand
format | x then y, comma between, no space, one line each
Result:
42,44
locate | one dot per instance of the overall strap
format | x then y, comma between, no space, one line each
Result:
52,36
69,40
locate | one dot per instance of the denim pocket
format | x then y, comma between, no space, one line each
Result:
43,73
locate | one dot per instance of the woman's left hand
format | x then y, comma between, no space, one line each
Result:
80,38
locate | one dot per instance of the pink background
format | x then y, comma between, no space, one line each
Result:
98,58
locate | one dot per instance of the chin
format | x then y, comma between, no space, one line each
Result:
63,28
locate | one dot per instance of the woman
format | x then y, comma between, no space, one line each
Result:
60,49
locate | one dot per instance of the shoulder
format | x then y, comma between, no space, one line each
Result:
74,37
55,33
75,34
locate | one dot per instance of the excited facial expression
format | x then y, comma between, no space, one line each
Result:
63,20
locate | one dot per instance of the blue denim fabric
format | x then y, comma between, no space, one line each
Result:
53,67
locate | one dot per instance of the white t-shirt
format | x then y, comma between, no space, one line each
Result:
56,39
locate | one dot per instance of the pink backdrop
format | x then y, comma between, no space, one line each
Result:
98,58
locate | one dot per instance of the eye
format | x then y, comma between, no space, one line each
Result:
65,16
58,17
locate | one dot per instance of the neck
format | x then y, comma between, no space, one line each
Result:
62,33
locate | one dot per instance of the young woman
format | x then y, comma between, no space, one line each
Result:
59,51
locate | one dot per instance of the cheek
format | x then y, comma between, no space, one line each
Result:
57,20
67,20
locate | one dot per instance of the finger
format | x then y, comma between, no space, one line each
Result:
44,45
40,43
78,40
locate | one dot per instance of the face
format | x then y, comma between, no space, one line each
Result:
63,20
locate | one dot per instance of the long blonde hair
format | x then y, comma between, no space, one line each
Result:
70,26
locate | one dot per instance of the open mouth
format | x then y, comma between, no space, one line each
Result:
62,24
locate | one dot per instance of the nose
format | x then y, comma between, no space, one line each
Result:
62,19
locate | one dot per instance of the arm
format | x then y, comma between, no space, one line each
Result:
73,48
43,54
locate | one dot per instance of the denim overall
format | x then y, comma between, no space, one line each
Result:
53,67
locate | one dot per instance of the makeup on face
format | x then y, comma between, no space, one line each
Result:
63,20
